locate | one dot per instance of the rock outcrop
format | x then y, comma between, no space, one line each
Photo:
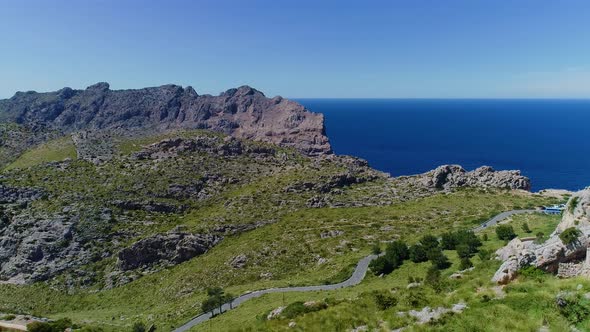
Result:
551,254
243,113
170,248
452,176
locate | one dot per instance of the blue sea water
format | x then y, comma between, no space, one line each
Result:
548,140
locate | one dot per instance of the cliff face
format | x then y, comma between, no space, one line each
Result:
447,177
243,113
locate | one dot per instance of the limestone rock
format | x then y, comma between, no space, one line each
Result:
243,113
171,248
453,176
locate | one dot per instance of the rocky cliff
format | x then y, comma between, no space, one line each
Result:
447,177
243,113
551,253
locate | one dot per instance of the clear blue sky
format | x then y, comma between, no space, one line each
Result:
413,48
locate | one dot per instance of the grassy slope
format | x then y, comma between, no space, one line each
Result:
527,303
55,150
288,249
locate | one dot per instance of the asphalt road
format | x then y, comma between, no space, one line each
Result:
357,276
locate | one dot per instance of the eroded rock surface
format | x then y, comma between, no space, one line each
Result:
170,248
243,112
551,254
452,176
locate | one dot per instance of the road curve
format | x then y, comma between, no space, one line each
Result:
357,276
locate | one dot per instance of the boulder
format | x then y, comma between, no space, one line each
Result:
169,249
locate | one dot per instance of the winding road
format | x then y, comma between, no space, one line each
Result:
357,276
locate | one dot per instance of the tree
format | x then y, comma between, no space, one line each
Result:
465,263
433,279
429,242
397,250
570,235
463,251
418,253
384,300
485,236
381,265
215,300
469,239
448,241
438,259
505,232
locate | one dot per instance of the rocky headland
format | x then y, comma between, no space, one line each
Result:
243,112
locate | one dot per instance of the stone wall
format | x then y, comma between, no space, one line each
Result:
569,270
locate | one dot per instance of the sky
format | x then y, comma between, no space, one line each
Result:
299,49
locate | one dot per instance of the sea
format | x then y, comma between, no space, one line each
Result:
547,140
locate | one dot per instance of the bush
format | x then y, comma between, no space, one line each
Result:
484,255
469,239
532,272
376,249
573,307
463,251
539,238
384,301
433,279
438,259
448,241
418,253
397,251
299,308
505,232
465,263
429,242
8,317
485,236
570,235
381,265
138,327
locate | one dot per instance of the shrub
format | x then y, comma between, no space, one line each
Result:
418,253
539,238
429,241
572,204
8,317
299,308
570,235
397,251
138,327
469,239
438,259
433,279
485,236
381,265
505,232
573,307
384,301
376,249
484,255
463,251
465,263
448,241
532,272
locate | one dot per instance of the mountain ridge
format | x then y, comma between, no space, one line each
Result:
242,112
